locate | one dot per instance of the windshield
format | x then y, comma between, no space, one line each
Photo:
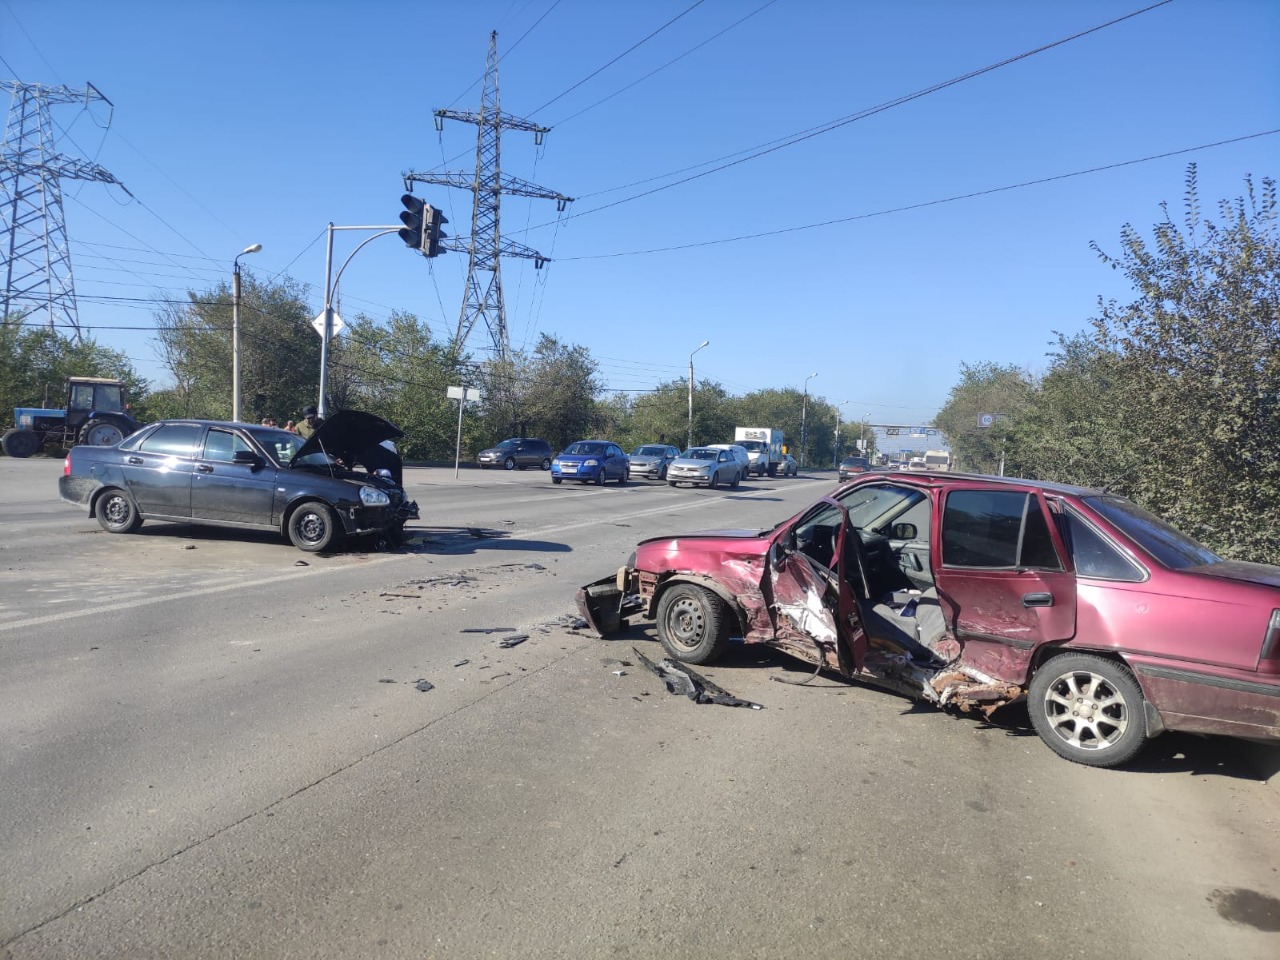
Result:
1171,547
700,453
875,507
755,446
584,449
650,452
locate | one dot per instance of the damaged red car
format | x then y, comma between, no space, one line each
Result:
975,592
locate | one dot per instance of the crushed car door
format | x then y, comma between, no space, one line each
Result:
1002,582
812,600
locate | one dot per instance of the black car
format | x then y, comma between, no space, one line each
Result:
239,475
522,452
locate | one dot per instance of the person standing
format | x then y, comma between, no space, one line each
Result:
309,423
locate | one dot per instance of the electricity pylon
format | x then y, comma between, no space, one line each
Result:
486,246
34,231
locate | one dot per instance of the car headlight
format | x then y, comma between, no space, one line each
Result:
372,497
556,462
591,463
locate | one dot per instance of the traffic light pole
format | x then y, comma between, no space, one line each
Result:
330,288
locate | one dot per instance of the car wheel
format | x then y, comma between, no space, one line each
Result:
1088,709
116,512
19,443
312,527
736,480
672,483
556,479
546,463
714,481
624,478
100,433
693,624
509,463
600,477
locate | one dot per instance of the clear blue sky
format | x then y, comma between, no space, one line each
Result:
238,123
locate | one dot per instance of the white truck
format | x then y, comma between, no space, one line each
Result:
937,460
764,447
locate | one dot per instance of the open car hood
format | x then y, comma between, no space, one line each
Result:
346,433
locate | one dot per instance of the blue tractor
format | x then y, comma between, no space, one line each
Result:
96,413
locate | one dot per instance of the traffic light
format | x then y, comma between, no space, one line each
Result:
414,220
433,219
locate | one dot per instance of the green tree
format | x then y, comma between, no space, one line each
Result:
550,391
1197,368
1001,389
279,352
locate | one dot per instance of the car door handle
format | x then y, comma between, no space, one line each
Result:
204,468
134,460
1037,599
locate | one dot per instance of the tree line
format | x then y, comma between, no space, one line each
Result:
1169,398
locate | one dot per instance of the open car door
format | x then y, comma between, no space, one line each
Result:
813,565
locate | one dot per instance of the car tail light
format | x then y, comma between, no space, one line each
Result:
66,472
1271,644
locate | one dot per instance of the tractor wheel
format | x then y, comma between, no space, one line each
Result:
100,433
20,444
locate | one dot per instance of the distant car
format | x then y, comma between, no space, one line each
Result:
789,467
850,467
705,466
973,592
650,460
522,452
740,455
591,461
242,476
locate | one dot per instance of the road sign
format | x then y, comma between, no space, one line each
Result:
318,323
463,393
986,419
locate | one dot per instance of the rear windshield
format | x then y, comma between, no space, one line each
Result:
1170,546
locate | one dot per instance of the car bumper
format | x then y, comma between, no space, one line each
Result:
77,490
358,519
687,478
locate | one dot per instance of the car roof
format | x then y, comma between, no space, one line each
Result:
947,479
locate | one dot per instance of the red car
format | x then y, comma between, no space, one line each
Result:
974,592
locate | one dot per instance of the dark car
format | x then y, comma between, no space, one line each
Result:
650,460
250,477
850,467
974,592
522,452
591,461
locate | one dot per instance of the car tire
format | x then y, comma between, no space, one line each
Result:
546,463
100,433
623,478
713,481
693,623
509,463
312,527
116,512
672,483
1088,709
600,476
736,480
556,479
19,443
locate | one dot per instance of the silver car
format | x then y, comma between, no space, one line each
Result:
651,460
740,455
707,466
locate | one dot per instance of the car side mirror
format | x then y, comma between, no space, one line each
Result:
903,531
247,456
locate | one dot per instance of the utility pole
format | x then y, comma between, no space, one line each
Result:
487,185
37,253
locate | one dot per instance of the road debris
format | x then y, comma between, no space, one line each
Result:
679,679
462,663
488,629
403,596
386,680
301,563
424,685
513,640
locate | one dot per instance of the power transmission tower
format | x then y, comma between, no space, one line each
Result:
37,253
486,246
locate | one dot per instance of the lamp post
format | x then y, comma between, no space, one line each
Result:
235,331
836,455
862,440
689,440
804,413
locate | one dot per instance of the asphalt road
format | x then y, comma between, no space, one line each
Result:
201,756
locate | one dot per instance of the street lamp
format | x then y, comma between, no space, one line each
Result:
836,457
689,442
804,412
235,331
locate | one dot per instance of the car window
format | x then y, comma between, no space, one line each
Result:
106,398
875,507
280,444
1170,546
996,529
224,445
82,396
700,453
1096,556
173,439
581,449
